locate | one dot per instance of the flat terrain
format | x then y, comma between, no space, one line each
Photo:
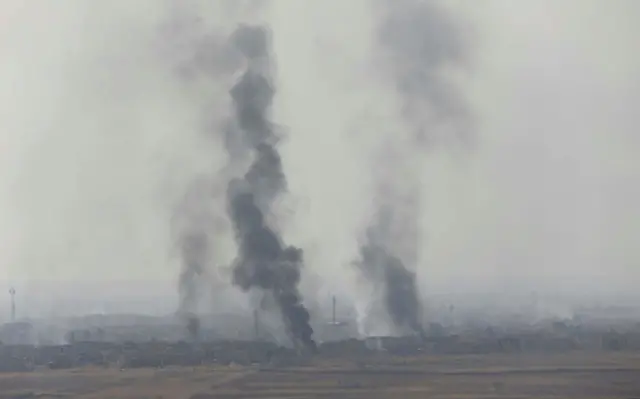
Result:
576,375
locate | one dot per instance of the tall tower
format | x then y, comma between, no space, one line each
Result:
334,321
12,292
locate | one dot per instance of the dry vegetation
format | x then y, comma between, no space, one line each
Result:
576,375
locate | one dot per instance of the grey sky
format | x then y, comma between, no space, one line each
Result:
99,138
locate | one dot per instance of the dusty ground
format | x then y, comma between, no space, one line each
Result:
577,375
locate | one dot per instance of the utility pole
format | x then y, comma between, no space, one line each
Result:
333,310
12,292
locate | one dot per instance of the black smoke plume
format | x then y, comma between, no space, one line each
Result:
418,42
379,264
264,261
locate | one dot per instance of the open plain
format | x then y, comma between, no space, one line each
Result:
569,375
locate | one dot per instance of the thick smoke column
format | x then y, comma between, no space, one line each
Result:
263,262
418,41
379,264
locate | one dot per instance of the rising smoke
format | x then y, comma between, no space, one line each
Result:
196,224
421,44
249,140
195,245
388,272
263,261
418,42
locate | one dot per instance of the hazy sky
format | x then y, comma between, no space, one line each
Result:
99,136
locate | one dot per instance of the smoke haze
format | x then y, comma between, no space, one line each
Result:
102,135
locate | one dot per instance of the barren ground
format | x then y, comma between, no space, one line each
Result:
576,375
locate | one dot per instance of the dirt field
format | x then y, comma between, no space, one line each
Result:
577,375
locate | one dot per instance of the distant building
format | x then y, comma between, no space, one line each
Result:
18,333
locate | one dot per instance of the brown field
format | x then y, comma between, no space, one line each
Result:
576,375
